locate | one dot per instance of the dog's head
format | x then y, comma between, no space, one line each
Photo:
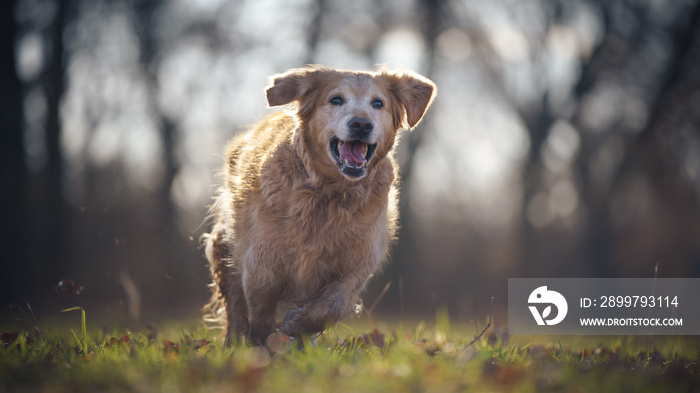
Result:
349,119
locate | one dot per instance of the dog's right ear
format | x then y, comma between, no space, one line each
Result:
284,88
291,85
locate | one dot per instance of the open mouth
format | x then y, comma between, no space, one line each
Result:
352,156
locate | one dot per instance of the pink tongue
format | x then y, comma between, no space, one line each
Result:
354,152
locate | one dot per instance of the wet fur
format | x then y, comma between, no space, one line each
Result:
289,228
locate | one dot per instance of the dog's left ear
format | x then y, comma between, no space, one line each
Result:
415,93
291,85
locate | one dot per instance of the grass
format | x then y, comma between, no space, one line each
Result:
344,359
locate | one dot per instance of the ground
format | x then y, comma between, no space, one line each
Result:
423,357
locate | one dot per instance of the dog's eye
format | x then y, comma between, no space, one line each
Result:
377,104
337,100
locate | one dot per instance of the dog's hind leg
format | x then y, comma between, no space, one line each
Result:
227,289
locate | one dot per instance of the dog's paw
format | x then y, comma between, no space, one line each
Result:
312,317
291,325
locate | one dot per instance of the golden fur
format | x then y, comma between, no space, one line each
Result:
305,215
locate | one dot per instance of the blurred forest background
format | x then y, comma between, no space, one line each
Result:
564,141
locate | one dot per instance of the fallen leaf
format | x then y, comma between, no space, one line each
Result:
9,338
171,346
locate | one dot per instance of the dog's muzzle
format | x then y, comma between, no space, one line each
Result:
353,154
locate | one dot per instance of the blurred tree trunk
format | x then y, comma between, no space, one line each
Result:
150,50
537,119
13,167
315,27
538,124
146,11
644,151
53,213
404,253
411,141
166,225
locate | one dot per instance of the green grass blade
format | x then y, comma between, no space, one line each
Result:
83,327
80,344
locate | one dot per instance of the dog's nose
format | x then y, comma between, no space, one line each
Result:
360,125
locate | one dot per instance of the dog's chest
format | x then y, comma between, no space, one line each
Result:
332,222
327,235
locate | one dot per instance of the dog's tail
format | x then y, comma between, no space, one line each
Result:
214,310
217,251
218,246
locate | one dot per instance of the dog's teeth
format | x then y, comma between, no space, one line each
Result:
365,149
340,144
346,162
364,164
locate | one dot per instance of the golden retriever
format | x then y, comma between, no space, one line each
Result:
308,207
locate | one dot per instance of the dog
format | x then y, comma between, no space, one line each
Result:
308,205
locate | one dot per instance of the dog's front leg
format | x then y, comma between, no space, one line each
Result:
314,315
236,308
262,304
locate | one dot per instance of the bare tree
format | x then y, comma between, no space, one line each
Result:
431,25
13,168
54,86
643,150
